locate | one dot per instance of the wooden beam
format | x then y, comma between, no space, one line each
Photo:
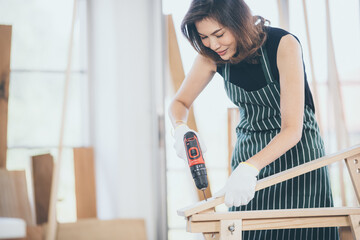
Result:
274,223
92,229
280,213
231,229
85,183
14,200
355,226
276,178
178,75
5,47
353,166
42,168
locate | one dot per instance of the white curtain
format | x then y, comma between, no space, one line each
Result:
125,72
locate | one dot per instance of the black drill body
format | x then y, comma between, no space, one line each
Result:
196,160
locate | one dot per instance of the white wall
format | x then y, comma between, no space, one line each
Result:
125,71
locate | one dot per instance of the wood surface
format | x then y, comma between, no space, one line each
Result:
52,219
225,229
274,223
5,47
85,189
353,166
177,76
14,200
34,233
355,226
276,178
279,213
94,229
42,168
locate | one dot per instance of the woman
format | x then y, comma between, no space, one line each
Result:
264,76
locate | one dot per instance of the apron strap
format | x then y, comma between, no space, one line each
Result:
226,72
265,64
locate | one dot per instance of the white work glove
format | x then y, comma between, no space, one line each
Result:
179,146
240,186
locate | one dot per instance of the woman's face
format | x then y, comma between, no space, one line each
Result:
217,38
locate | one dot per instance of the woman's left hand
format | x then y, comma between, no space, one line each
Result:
240,187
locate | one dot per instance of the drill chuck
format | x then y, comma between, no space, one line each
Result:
195,160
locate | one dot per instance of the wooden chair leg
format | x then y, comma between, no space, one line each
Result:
355,226
211,236
231,229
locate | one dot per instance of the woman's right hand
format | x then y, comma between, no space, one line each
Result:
179,145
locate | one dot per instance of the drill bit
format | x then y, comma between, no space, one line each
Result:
204,195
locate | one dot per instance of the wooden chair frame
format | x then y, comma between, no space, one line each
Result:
201,217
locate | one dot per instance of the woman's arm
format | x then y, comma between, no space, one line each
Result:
289,62
199,76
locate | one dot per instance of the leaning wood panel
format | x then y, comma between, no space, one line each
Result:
355,226
276,178
14,201
94,229
85,183
178,75
5,46
43,166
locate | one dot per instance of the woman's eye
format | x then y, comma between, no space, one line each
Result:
220,35
202,38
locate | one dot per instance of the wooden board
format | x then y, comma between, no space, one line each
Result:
14,201
280,213
355,226
353,166
42,168
276,178
85,189
274,223
231,230
94,229
5,47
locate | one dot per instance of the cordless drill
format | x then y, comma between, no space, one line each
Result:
196,161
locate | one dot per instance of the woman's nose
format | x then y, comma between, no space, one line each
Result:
214,44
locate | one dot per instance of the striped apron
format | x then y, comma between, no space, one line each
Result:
260,121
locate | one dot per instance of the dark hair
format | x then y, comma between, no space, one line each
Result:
235,15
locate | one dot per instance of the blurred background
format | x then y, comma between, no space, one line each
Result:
121,87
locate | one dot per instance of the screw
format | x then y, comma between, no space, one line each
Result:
358,170
356,161
231,228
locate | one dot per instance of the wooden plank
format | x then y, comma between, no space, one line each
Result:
178,75
5,47
355,226
280,213
34,233
353,166
276,178
231,229
94,229
345,233
14,200
42,168
274,223
85,189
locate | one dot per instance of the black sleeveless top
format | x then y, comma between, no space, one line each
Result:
250,76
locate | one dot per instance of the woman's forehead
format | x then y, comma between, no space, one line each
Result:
207,26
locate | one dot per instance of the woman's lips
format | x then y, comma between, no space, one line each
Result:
221,53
